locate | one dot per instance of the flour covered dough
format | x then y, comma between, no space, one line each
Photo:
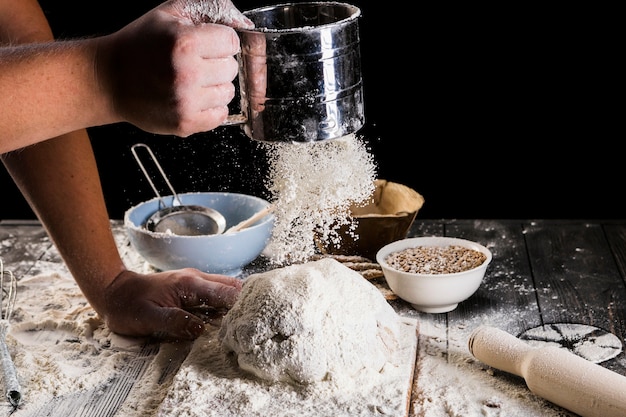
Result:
310,322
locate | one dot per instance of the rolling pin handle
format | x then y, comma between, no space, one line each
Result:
553,373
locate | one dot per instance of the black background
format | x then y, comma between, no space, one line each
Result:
506,112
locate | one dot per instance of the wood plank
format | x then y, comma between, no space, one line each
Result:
574,268
105,399
616,236
507,286
22,244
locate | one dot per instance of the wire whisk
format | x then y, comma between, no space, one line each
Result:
7,302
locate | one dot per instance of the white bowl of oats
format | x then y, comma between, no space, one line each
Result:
434,274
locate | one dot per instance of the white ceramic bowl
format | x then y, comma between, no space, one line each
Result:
433,293
223,254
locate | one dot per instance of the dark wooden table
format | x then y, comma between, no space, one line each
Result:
544,274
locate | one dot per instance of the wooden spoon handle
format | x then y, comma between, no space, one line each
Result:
256,216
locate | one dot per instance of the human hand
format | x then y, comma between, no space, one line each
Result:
171,70
157,304
211,11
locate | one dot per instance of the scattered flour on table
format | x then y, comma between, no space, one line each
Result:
60,347
313,186
450,382
313,339
58,344
590,342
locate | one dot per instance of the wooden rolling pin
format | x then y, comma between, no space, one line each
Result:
553,373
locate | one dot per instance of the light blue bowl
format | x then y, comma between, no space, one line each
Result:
218,254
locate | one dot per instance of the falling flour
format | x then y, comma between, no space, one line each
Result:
313,186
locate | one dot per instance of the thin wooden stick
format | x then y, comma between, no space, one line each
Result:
258,215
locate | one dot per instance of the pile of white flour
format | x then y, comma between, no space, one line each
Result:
311,322
66,357
310,340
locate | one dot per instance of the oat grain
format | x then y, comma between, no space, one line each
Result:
436,259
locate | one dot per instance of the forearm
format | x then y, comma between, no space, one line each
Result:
166,72
46,99
23,21
59,177
54,90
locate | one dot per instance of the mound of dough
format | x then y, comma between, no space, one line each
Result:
310,322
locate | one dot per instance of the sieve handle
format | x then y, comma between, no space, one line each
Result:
177,201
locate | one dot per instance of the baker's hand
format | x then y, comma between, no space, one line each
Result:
155,304
171,71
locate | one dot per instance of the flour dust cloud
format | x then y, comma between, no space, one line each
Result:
313,186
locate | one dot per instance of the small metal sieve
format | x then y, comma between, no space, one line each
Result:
179,219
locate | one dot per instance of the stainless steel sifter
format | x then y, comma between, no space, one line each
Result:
300,73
